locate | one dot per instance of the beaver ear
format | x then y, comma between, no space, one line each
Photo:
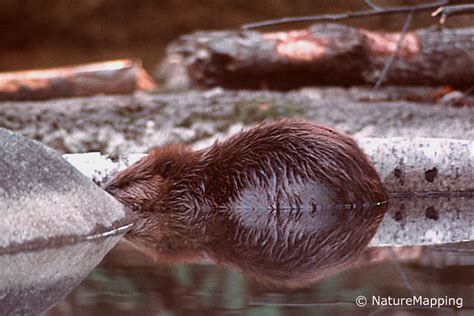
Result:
164,169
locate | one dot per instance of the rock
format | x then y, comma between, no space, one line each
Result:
33,281
44,201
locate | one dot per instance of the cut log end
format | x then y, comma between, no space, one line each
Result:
111,77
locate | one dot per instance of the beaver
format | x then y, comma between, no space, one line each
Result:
286,202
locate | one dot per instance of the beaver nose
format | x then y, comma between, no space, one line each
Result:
111,189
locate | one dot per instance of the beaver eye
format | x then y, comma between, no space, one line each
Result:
164,169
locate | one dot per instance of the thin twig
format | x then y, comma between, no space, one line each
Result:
349,15
394,55
451,10
372,5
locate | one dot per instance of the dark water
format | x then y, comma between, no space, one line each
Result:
128,283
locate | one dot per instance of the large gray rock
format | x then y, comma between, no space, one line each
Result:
45,201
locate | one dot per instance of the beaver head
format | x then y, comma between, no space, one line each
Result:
285,202
150,190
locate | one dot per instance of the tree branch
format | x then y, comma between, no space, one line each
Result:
372,5
350,15
451,10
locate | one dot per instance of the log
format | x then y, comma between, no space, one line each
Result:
127,124
322,54
422,164
111,77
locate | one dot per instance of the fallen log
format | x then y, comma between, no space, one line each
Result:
112,77
322,54
126,124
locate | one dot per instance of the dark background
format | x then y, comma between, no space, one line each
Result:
42,33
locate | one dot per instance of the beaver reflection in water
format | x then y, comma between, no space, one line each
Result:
263,201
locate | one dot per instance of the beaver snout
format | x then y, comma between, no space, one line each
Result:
111,189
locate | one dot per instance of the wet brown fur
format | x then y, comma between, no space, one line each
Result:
250,202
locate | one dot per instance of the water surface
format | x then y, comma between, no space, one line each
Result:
128,283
